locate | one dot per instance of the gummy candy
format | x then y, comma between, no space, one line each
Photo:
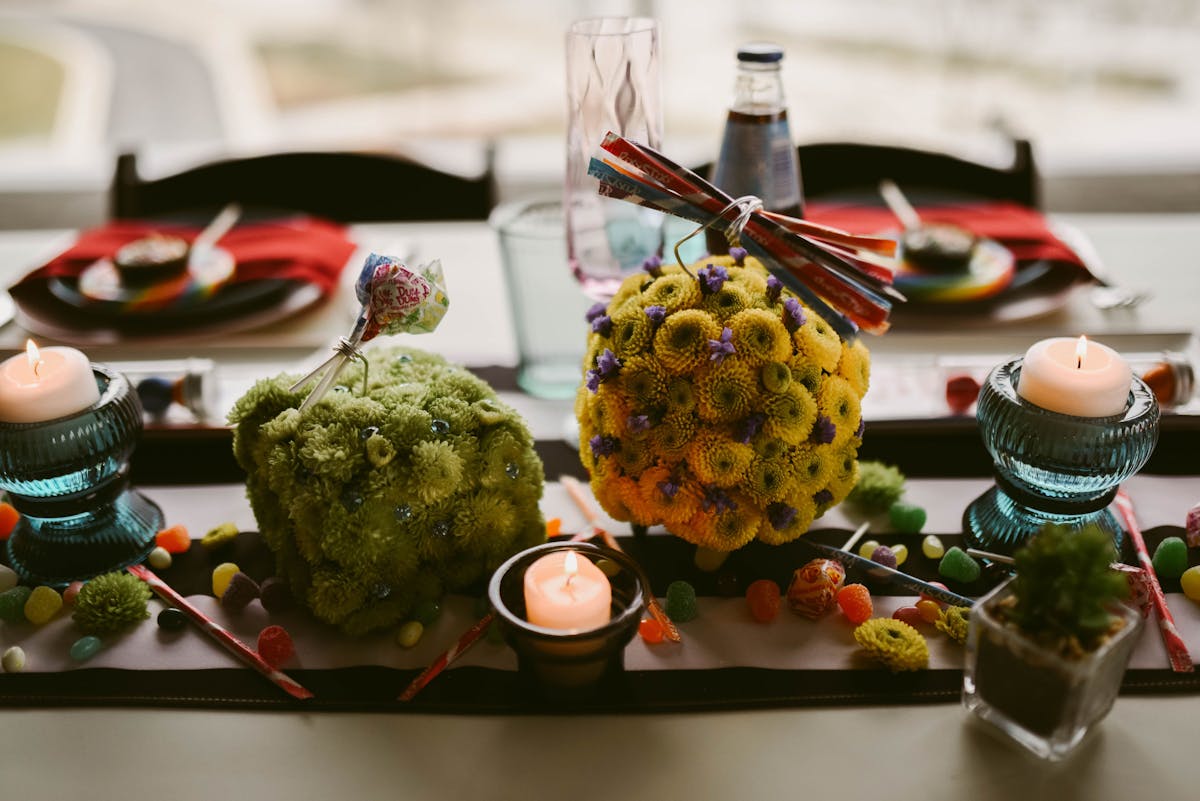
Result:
8,578
174,539
762,597
651,631
14,660
159,558
72,592
9,517
901,553
275,596
12,603
885,556
43,603
241,591
425,612
961,392
708,560
221,575
1170,558
275,645
907,518
215,538
908,614
681,602
957,565
929,610
1190,582
85,648
855,601
932,547
409,634
814,587
867,548
171,619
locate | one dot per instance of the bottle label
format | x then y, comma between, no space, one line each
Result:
759,158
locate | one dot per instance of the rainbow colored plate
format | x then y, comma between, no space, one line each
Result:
988,273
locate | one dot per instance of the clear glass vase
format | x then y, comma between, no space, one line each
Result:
1034,695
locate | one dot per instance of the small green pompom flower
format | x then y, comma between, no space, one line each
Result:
110,602
879,486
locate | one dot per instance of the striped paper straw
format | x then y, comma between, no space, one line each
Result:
1181,660
230,643
469,638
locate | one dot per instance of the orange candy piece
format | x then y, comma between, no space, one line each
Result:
553,527
174,539
651,631
8,519
855,601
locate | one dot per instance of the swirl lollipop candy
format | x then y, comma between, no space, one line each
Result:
395,299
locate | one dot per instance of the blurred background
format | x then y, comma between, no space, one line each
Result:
1108,90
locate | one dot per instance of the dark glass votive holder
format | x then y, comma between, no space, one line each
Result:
69,479
1052,467
565,665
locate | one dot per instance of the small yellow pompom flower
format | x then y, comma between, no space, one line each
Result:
894,643
954,623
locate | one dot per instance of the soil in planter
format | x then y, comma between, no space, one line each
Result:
1032,696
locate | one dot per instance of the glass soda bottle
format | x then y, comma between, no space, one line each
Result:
757,155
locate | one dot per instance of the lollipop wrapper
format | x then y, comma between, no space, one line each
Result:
397,299
813,589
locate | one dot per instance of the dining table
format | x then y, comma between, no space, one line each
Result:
857,746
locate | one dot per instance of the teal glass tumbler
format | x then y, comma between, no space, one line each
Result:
1052,467
69,479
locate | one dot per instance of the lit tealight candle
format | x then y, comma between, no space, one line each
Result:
45,384
565,592
1076,377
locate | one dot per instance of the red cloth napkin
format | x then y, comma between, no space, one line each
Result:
1021,229
302,249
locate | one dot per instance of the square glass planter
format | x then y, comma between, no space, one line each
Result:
1039,698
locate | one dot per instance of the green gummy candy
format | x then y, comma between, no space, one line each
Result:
681,602
1170,558
957,565
907,518
12,603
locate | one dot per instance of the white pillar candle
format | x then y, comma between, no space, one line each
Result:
565,592
1076,377
45,384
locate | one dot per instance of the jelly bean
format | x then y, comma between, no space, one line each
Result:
13,660
901,553
221,575
681,602
241,591
171,619
85,648
174,539
929,610
867,548
1190,582
409,634
43,603
72,592
883,555
159,558
939,585
763,598
708,560
1170,558
275,645
9,517
909,614
8,578
608,567
957,565
907,518
651,631
12,603
961,392
425,612
932,547
855,602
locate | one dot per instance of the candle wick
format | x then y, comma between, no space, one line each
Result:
1078,362
36,367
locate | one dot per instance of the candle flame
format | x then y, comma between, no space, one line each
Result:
34,355
570,566
1080,352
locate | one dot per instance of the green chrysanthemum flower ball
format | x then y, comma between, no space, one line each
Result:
373,501
727,411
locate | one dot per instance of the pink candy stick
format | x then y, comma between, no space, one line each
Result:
227,640
469,638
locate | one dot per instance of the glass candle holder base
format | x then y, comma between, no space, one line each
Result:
997,523
69,479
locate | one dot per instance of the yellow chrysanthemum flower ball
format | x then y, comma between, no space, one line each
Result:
719,406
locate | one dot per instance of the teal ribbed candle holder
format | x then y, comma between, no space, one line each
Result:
1052,467
69,479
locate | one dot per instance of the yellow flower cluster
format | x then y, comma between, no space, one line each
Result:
894,643
954,623
719,406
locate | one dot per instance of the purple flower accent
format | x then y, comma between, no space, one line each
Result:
604,446
656,314
653,265
668,488
781,515
739,256
823,431
595,311
638,422
712,278
747,428
793,314
822,497
862,427
715,499
602,325
720,348
606,367
774,288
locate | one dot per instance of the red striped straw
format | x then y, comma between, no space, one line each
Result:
469,638
230,643
1181,660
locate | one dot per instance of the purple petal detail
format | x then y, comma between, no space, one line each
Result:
638,422
774,288
653,265
781,515
716,499
793,314
823,431
862,427
602,325
822,497
712,278
607,365
749,427
720,348
668,488
604,446
595,311
739,256
656,314
593,380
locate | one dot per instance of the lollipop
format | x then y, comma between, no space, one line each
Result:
395,300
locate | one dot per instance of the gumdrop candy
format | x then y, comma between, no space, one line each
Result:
241,591
409,634
907,518
72,592
174,539
13,660
932,547
855,601
883,555
275,596
12,603
681,602
275,645
171,619
221,575
908,614
216,537
8,578
1170,558
814,587
1190,582
43,604
763,598
1192,526
651,631
9,517
957,565
961,392
159,558
85,648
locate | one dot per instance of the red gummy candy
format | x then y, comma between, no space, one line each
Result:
174,539
961,392
651,631
8,519
275,645
762,597
855,601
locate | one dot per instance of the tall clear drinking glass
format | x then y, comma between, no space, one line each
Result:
613,84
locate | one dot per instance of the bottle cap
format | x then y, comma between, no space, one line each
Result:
760,52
